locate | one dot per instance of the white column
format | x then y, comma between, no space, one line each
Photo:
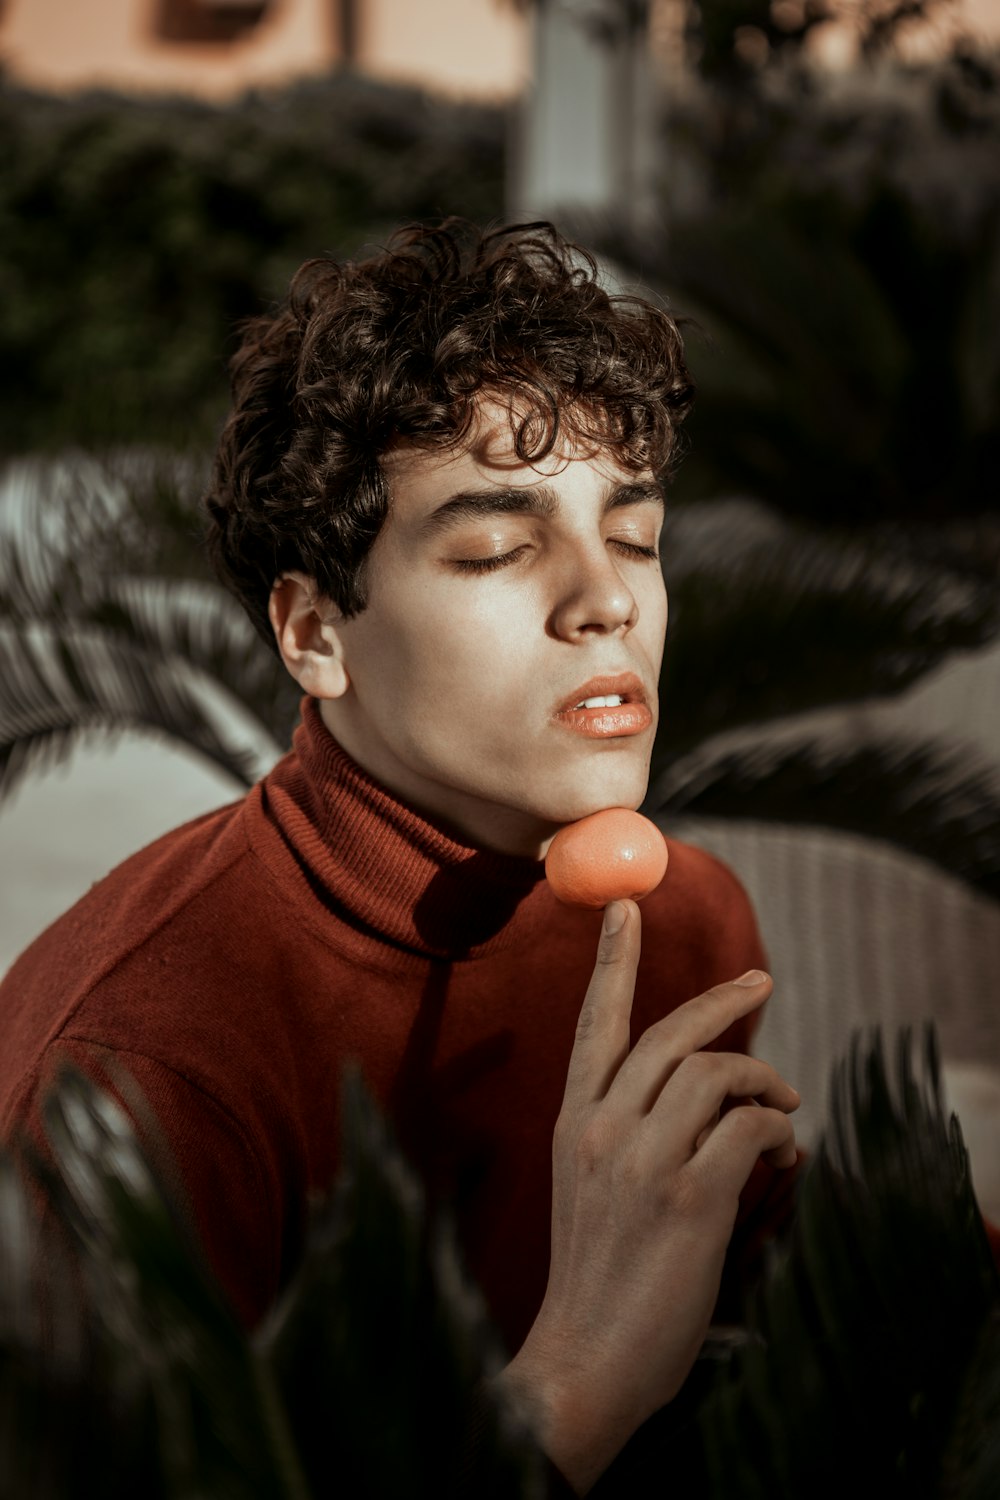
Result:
584,136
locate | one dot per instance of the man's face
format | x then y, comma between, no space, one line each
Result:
501,597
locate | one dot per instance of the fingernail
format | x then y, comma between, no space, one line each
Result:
752,976
614,918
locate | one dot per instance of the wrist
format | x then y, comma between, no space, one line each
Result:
572,1421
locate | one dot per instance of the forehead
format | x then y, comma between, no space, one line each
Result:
420,479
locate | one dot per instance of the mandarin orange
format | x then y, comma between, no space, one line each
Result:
613,855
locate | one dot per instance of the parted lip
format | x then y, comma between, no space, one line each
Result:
627,685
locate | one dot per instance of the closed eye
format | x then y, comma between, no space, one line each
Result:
488,564
499,560
633,549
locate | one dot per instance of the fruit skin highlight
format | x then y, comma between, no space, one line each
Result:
612,855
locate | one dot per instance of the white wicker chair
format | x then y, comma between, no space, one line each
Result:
860,932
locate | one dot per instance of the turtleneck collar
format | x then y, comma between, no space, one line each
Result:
380,864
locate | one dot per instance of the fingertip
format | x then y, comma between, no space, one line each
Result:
616,914
614,918
784,1156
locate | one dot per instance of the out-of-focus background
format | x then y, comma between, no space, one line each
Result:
814,183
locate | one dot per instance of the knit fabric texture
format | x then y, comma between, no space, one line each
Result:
233,967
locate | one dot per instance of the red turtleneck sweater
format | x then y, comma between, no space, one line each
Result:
234,965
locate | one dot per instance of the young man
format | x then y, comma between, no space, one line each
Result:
439,496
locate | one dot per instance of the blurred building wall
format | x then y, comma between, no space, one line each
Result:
217,48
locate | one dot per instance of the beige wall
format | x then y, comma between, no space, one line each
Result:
473,47
71,44
464,47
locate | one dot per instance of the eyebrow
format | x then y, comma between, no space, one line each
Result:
538,500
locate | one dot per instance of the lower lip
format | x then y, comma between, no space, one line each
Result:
607,723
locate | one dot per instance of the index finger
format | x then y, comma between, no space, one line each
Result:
602,1032
684,1031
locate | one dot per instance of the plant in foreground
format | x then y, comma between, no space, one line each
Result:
872,1354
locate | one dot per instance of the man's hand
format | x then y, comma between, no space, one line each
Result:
651,1151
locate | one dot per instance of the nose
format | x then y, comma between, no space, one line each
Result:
593,599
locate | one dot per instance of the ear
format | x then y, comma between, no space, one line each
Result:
306,627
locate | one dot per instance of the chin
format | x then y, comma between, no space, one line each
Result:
620,791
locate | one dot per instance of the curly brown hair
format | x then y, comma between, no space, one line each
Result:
397,348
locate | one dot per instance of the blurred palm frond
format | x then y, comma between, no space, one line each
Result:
382,1326
876,1335
159,1318
126,1372
58,685
928,800
107,623
872,1355
769,618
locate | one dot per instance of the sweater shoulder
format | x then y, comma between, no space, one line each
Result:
125,912
703,889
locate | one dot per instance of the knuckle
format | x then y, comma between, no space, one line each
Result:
701,1067
649,1041
760,1126
595,1145
745,1120
709,1196
564,1135
714,1065
596,1019
660,1037
631,1168
586,1022
683,1194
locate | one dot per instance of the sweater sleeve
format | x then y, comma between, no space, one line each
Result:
201,1154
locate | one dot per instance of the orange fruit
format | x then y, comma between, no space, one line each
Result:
613,855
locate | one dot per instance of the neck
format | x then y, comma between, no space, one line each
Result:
397,876
470,820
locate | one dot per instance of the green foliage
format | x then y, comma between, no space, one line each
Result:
837,241
133,235
382,1326
131,1375
108,622
772,619
915,797
872,1357
875,1342
717,30
769,618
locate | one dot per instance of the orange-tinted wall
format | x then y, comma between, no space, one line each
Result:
474,47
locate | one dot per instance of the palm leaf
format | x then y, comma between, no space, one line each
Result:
58,684
382,1326
47,1404
972,1457
866,1328
126,1372
770,619
201,624
161,1315
924,799
115,545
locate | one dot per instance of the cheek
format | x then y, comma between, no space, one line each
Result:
653,619
432,674
467,642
